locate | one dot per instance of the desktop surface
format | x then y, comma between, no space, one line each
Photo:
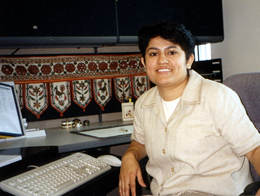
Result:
65,141
59,142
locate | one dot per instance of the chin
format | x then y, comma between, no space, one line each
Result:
163,84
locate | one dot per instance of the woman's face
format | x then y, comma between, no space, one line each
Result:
166,63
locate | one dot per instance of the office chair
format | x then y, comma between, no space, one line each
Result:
247,86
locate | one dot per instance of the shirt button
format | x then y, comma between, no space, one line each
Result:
163,151
172,170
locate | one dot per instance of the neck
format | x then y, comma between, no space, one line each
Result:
169,93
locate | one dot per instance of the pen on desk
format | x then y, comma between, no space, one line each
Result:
124,130
34,129
5,136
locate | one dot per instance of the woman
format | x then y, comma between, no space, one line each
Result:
194,131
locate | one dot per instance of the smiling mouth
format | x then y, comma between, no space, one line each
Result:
164,70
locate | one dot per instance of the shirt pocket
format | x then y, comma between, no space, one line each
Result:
196,140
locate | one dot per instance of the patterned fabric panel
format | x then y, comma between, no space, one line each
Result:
61,67
140,85
102,91
123,88
81,93
49,87
60,96
36,98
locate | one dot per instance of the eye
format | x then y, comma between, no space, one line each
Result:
153,53
172,52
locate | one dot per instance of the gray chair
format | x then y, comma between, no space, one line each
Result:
247,86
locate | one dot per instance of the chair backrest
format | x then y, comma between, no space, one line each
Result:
247,86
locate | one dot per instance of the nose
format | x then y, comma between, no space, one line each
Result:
163,59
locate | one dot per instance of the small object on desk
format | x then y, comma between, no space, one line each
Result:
57,177
25,123
67,124
8,159
77,123
110,160
35,132
86,123
127,110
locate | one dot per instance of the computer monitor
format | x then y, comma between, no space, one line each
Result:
10,114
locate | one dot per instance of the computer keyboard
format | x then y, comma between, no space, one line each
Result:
57,177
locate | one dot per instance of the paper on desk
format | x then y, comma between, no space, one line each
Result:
29,133
35,132
8,159
109,132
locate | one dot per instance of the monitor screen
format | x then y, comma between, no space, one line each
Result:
10,115
47,22
203,18
102,22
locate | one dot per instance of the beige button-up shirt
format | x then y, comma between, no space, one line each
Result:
202,146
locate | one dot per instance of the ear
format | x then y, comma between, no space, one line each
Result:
142,61
190,61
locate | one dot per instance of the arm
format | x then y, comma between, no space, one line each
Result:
254,157
130,169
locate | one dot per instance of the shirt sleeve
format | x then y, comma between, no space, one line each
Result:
138,133
233,122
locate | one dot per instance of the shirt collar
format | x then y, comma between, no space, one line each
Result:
191,93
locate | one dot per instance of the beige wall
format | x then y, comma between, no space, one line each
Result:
240,50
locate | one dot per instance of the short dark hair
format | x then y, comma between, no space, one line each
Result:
173,32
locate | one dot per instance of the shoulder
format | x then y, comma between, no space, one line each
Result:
218,95
212,88
205,90
200,86
148,97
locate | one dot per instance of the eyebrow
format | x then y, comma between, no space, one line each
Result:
154,48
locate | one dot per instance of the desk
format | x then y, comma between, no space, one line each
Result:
99,186
66,141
